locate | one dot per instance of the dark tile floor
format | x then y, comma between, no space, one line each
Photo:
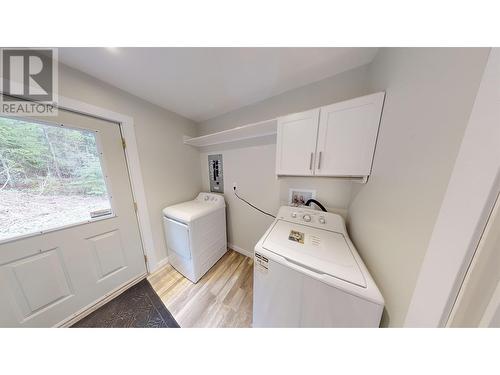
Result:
137,307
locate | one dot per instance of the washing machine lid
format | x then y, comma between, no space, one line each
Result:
319,250
189,211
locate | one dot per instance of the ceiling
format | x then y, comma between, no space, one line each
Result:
202,83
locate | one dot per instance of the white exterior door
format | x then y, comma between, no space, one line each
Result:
47,278
296,143
347,135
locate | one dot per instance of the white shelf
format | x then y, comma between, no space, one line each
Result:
240,133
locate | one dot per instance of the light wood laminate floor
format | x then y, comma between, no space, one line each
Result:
221,298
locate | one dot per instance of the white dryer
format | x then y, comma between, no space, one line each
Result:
307,273
195,232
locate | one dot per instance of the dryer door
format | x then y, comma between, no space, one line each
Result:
177,237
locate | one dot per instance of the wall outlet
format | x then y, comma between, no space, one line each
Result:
235,186
299,197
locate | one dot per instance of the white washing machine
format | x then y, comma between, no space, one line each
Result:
196,234
307,273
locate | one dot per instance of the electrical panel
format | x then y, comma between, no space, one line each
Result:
215,173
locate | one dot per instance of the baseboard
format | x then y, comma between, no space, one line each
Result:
162,263
240,250
100,302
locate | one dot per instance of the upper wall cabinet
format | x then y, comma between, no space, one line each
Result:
296,143
336,140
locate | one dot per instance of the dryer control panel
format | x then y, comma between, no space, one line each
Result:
211,198
215,174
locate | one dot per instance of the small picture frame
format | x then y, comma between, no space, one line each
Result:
299,197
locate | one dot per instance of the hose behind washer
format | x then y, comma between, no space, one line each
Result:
309,201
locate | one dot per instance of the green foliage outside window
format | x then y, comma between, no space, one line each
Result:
49,159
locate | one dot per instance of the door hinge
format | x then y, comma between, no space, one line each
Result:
135,206
124,144
145,259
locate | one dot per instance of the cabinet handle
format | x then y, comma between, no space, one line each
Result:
319,160
311,162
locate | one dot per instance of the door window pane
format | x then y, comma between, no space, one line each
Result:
50,177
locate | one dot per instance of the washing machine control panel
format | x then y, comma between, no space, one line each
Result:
319,219
307,217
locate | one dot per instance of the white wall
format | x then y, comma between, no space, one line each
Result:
429,97
251,164
330,90
471,193
170,169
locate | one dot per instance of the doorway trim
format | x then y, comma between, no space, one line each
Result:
465,208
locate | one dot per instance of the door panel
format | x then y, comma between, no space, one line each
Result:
347,136
33,293
109,253
296,143
51,276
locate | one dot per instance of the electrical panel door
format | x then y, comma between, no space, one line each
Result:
215,173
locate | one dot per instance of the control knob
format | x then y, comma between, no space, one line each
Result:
306,218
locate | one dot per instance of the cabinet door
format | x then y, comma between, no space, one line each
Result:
347,135
296,143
